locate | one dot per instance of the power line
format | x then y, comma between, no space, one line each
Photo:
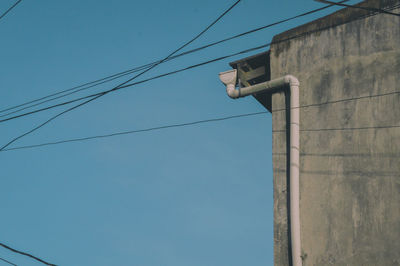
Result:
359,7
27,254
170,73
8,10
97,95
127,85
138,82
46,122
133,70
224,118
77,89
184,125
125,82
137,131
149,66
198,65
9,262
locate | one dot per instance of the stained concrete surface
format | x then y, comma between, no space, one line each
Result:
350,174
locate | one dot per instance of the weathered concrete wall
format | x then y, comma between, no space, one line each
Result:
349,179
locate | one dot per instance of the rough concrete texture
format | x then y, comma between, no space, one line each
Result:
349,179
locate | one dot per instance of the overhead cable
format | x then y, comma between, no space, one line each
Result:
138,82
127,85
173,72
9,262
373,9
127,81
189,124
217,119
8,10
137,131
94,83
27,254
124,73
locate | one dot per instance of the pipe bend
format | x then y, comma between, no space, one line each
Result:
292,80
232,92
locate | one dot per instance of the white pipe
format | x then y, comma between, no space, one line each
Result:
295,169
229,78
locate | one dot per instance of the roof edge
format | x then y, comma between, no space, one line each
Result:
335,19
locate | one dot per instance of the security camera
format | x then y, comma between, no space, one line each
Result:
229,78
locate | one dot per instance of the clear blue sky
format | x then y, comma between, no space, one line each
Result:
199,195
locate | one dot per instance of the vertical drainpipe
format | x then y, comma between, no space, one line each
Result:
295,170
229,79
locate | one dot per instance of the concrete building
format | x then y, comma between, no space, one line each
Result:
348,66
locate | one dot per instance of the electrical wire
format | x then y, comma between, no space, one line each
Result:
8,10
125,82
139,82
137,131
184,69
218,119
9,262
127,85
173,72
359,7
94,83
185,125
77,89
27,254
181,125
145,67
